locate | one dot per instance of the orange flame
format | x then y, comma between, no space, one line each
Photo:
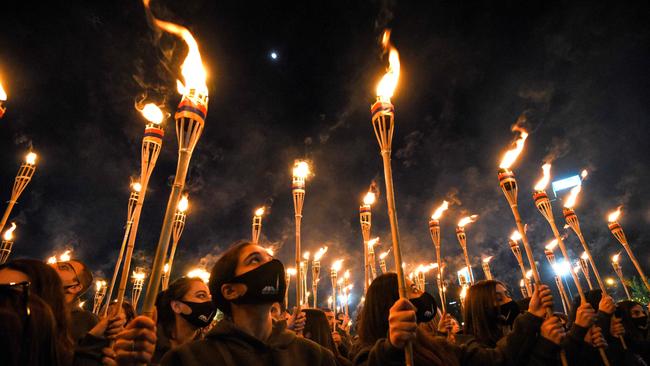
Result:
301,169
65,257
183,204
194,74
543,182
515,236
166,268
613,216
584,174
270,251
259,211
487,260
466,220
551,245
137,187
373,242
512,154
369,199
306,256
584,256
383,255
152,113
438,212
9,234
388,83
30,158
336,266
572,197
3,93
99,284
319,254
529,274
291,271
615,258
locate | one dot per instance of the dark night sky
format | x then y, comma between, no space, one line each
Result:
580,72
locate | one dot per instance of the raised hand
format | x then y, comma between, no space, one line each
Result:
401,323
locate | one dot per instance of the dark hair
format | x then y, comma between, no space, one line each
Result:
593,298
85,277
481,314
46,283
624,311
129,312
27,340
373,325
175,292
317,329
224,271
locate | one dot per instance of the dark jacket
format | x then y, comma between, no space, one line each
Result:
81,321
230,346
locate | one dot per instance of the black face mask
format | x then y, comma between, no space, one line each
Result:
508,312
202,313
641,322
426,307
265,284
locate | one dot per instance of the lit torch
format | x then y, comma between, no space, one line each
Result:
151,146
3,99
434,229
304,268
372,260
334,273
618,233
177,230
315,273
346,290
583,261
462,240
287,278
100,293
138,281
365,218
382,261
23,177
619,273
550,256
522,288
190,119
257,224
7,243
486,268
165,277
300,173
514,246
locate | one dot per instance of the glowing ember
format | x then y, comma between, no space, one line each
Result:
306,256
615,258
194,74
137,187
487,260
572,197
584,174
515,236
319,254
388,83
30,159
584,256
543,182
99,284
9,234
152,113
301,169
3,94
438,212
336,266
466,220
183,204
199,273
65,257
291,271
613,216
551,245
512,154
383,255
259,211
369,198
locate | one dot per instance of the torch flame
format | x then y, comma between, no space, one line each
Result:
30,158
515,236
291,271
199,273
65,257
521,283
529,273
270,251
383,255
512,154
346,275
137,187
543,182
194,74
369,198
613,216
438,212
306,256
99,284
584,174
573,196
3,94
51,260
551,245
166,268
463,292
138,275
319,254
584,256
259,211
336,266
152,113
615,258
466,220
372,242
388,82
577,269
300,169
9,234
487,260
183,204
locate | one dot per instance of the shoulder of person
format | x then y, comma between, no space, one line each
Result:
312,349
193,353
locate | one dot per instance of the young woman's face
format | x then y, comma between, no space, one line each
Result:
412,290
198,292
637,311
502,295
251,257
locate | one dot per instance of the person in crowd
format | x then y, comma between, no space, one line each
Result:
127,308
341,338
245,282
295,321
28,329
184,309
388,323
635,320
135,345
317,329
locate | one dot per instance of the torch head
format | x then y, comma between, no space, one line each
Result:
508,185
618,233
572,219
543,204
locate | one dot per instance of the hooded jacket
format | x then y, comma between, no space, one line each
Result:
228,345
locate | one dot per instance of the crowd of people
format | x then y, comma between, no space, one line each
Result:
239,318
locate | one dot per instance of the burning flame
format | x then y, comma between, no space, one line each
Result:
65,257
30,158
577,269
291,271
166,268
306,256
613,216
551,245
466,220
99,284
372,242
346,275
3,94
584,174
515,236
438,212
615,258
259,211
543,182
138,275
529,273
301,169
512,154
383,255
487,260
584,256
388,83
319,254
51,260
270,251
199,273
183,204
369,198
137,187
336,266
194,74
521,283
9,234
152,113
572,197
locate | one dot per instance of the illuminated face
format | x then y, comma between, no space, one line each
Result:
251,257
502,295
637,312
198,292
276,311
8,276
67,271
412,289
330,318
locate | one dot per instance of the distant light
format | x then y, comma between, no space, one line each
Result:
566,183
274,55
